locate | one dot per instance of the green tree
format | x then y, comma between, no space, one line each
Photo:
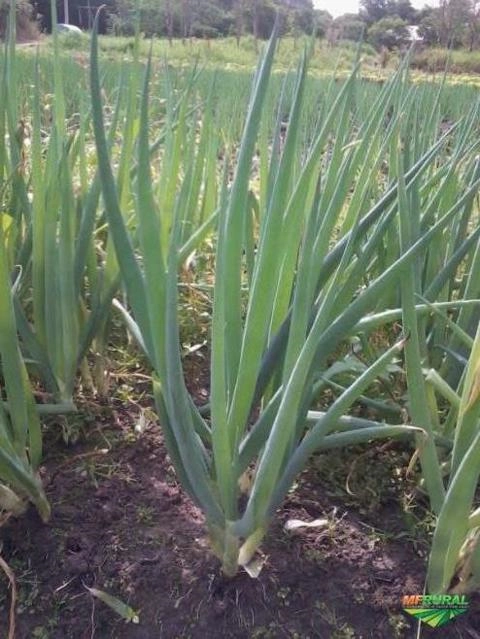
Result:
346,27
211,18
323,20
404,10
374,10
454,20
303,19
390,32
454,23
430,26
473,28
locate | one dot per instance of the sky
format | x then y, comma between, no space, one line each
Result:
339,7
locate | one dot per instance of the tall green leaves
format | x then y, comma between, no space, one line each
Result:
455,529
327,254
416,383
232,366
20,430
20,435
153,297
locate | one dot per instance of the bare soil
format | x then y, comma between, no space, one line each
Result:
121,523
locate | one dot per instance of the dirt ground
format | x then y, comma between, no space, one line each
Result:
121,523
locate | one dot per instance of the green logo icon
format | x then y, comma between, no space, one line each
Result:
435,610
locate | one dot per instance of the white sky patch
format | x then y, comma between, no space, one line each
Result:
339,7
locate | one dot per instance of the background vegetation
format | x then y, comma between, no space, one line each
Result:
455,23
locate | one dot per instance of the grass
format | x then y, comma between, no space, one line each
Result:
223,55
224,52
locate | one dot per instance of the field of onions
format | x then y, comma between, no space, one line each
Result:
262,275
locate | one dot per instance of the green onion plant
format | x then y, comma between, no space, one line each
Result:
326,261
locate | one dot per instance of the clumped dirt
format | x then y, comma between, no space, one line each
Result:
122,524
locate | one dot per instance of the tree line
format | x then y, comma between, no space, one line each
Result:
384,23
454,23
187,18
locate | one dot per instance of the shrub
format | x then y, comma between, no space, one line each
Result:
436,60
